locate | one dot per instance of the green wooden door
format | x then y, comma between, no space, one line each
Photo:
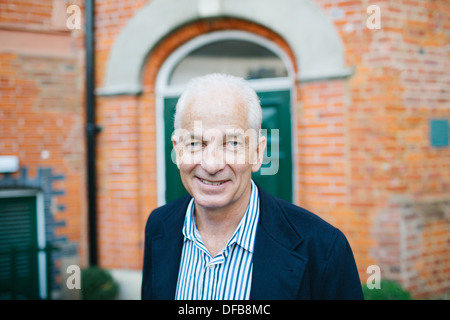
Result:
18,249
278,160
275,175
174,186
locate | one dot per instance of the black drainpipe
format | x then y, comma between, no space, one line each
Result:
91,132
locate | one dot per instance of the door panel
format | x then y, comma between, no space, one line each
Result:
275,175
174,186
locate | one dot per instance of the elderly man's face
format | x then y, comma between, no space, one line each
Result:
218,152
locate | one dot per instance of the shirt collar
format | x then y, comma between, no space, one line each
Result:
244,235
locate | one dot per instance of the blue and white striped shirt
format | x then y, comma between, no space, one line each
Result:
228,275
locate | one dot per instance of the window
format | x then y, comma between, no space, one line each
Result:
237,57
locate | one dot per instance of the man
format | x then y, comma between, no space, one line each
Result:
229,239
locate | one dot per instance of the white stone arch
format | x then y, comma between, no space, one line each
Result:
312,37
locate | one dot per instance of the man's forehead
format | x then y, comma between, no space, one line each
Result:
224,118
228,133
216,101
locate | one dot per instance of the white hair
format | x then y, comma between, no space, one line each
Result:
232,84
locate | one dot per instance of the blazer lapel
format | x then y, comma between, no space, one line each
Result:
166,254
277,269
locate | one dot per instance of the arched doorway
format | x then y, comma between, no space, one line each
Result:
269,71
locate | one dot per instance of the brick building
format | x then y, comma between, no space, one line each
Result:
360,98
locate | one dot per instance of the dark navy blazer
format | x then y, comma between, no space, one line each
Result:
297,255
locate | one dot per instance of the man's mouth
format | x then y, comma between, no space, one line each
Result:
212,183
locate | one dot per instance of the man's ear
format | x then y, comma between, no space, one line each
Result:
260,148
178,151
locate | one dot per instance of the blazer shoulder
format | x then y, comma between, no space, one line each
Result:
318,234
304,220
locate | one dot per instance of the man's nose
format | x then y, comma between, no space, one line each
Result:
213,159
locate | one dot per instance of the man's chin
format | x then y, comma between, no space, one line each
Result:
210,202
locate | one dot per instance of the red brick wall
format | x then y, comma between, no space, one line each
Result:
42,108
119,230
121,179
401,82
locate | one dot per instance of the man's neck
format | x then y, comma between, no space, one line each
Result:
216,226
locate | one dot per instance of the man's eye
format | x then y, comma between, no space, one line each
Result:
233,144
194,144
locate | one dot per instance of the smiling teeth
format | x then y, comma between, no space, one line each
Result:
211,183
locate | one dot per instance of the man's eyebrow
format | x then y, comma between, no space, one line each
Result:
227,135
194,136
234,134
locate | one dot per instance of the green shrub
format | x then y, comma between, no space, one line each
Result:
98,284
389,290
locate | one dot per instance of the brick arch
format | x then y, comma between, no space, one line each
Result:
190,31
315,43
